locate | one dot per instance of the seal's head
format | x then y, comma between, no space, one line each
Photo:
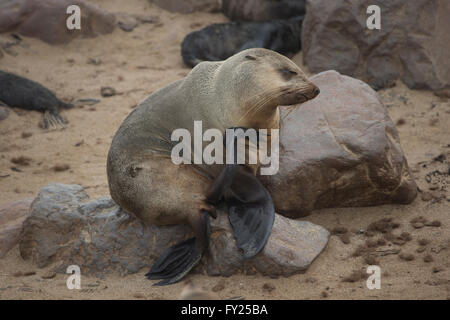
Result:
262,80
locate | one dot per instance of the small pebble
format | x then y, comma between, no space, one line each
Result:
48,275
219,286
107,91
406,256
268,287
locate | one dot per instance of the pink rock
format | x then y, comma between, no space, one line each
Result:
413,43
340,149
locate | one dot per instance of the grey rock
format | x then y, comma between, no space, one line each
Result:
291,248
189,6
65,227
107,91
340,149
413,43
12,216
46,19
127,22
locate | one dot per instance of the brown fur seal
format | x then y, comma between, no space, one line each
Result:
242,91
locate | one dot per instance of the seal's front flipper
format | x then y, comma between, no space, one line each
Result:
179,259
251,211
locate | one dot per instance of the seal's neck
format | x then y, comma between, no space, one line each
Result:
258,115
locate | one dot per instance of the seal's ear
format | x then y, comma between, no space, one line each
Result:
249,57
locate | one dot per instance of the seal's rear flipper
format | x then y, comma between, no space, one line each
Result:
179,259
252,224
53,120
251,210
175,263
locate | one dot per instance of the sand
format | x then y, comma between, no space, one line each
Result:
138,63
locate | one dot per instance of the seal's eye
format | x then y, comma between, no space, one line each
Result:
288,72
250,57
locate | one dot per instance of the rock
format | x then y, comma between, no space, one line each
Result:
12,216
413,43
262,10
291,248
48,275
189,6
65,228
107,91
142,18
340,149
127,22
8,41
4,112
46,19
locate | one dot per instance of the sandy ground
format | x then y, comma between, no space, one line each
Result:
140,62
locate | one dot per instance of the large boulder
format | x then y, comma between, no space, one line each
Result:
413,43
189,6
262,10
46,19
65,228
12,216
340,149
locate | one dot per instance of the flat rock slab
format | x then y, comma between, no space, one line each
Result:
413,43
65,227
12,216
340,149
46,19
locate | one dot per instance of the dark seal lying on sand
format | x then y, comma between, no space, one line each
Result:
16,91
220,41
262,10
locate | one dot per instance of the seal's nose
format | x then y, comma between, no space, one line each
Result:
316,92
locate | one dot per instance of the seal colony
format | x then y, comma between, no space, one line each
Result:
16,91
243,91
